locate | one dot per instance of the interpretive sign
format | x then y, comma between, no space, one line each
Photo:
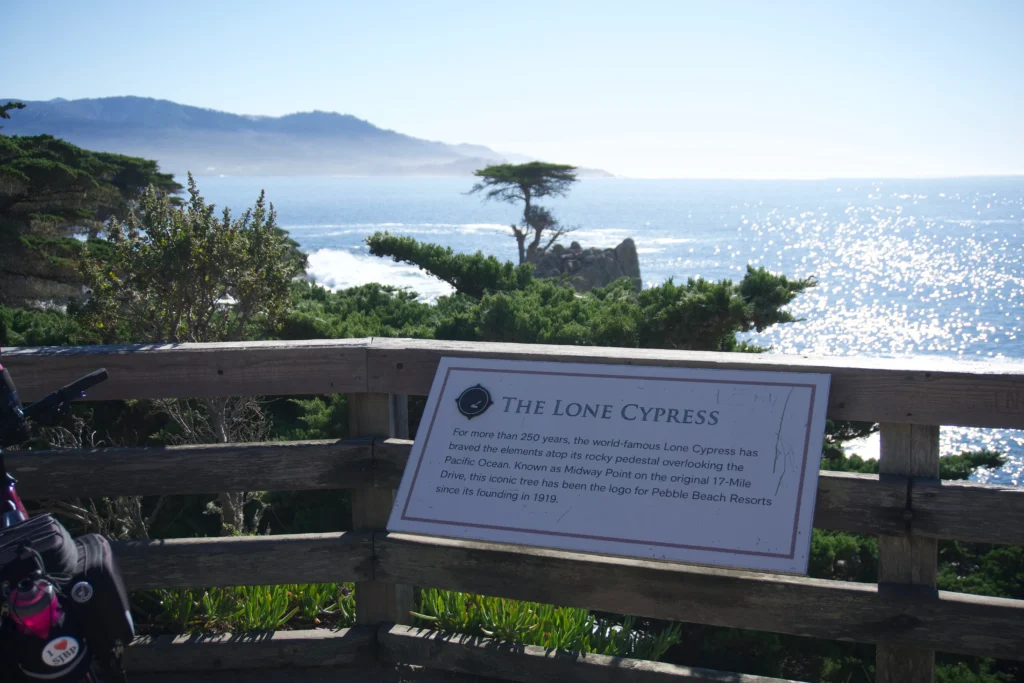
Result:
715,467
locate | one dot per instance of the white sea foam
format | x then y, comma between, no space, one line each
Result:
483,227
430,228
339,268
602,238
669,240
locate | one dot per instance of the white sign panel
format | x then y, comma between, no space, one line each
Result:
716,467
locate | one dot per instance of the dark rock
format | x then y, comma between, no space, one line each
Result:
590,268
28,291
627,257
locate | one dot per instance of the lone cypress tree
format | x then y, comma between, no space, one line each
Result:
512,183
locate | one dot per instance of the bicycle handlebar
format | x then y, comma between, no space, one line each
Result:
80,385
57,400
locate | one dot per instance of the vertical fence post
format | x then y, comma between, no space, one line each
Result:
399,407
374,414
912,451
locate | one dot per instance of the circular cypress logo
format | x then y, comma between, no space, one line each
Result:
474,401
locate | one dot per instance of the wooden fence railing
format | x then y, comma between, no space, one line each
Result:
906,506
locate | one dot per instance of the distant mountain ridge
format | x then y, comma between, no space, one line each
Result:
205,141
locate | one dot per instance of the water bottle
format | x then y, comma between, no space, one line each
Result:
49,647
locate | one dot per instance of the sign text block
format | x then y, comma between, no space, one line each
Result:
716,467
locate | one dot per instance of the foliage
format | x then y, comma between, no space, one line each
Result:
503,302
31,327
952,467
982,569
4,108
183,275
838,432
843,557
49,186
51,190
512,183
369,310
245,608
964,465
707,315
977,671
531,623
470,274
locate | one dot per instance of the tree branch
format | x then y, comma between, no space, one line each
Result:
559,232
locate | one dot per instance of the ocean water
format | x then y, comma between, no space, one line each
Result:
904,267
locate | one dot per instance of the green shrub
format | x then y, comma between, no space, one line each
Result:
532,623
245,608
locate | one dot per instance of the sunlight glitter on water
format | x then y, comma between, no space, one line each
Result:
892,284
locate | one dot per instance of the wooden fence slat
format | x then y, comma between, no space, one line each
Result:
860,503
922,391
528,663
389,459
912,451
271,368
965,511
246,651
275,466
246,560
950,622
857,503
376,602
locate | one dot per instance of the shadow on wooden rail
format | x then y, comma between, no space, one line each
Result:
403,646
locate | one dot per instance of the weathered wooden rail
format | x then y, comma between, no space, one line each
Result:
906,506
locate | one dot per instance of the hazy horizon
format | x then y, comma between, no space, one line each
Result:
737,90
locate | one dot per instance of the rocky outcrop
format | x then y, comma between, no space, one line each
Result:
590,268
27,291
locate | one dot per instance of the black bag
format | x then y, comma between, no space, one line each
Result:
62,657
98,623
39,553
46,536
99,599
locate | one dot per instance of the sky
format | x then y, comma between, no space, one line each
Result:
674,89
